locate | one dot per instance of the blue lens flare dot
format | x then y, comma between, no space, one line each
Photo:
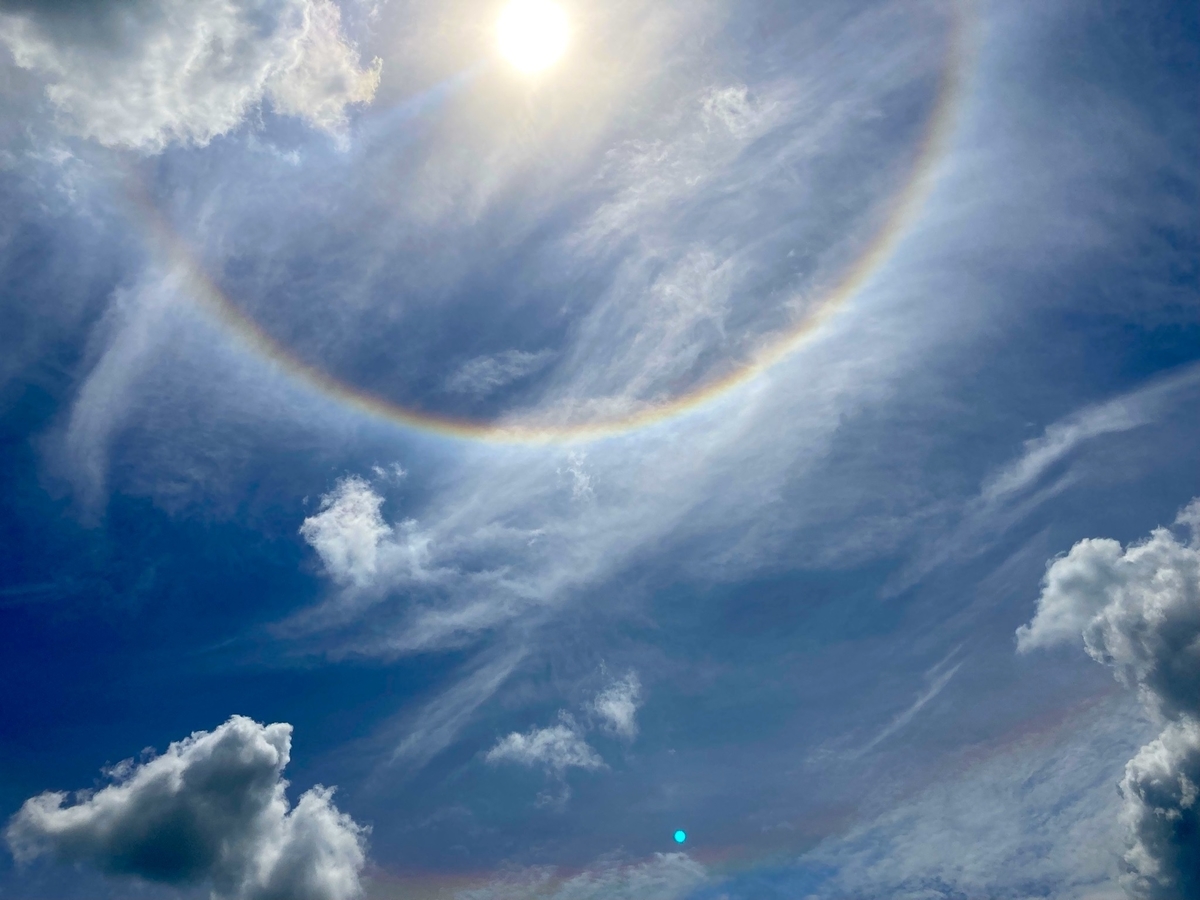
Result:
680,836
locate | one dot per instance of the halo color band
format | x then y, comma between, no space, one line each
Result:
904,205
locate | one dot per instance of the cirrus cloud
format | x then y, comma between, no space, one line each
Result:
666,876
176,71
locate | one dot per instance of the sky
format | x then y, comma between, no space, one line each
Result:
427,474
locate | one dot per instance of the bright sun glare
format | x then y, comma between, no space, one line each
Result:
532,33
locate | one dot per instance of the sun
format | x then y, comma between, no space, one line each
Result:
532,34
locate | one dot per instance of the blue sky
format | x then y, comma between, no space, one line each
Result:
776,420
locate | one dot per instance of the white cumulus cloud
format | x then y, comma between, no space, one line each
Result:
348,531
1160,792
358,549
186,71
1138,611
211,811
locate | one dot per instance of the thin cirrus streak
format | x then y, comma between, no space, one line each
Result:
532,431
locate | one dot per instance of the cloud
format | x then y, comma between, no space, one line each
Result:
1046,467
581,481
1126,412
1137,610
359,550
146,75
483,375
131,331
440,721
556,748
1035,817
1060,439
373,562
348,531
211,810
1160,791
616,706
481,559
322,75
560,747
666,876
937,678
393,474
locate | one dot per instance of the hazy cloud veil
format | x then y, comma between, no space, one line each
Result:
143,75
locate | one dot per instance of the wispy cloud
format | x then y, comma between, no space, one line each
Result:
665,876
556,747
484,375
616,706
436,725
1133,410
153,75
937,678
1014,491
1039,812
562,746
